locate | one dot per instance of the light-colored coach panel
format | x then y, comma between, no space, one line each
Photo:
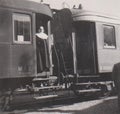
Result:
106,27
107,55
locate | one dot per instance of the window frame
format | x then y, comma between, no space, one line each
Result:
114,36
14,37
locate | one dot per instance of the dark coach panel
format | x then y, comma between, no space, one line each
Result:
19,21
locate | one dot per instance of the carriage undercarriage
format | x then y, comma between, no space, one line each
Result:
43,89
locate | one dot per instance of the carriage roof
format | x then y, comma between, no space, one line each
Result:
27,6
84,15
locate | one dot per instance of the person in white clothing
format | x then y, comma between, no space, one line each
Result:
42,50
41,33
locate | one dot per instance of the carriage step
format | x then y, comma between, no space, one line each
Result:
89,90
47,87
37,89
94,83
88,76
45,97
21,90
40,79
45,79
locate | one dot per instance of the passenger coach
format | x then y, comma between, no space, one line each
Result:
97,42
19,23
90,51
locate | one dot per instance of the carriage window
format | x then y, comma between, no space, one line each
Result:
22,28
109,36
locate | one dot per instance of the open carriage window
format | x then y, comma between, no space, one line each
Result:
109,36
22,28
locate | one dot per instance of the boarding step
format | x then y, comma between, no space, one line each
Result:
89,90
45,79
20,91
37,90
45,97
88,78
94,83
48,88
103,86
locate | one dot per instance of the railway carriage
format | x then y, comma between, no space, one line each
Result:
97,37
97,46
19,23
91,49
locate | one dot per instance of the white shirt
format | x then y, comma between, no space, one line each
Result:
42,35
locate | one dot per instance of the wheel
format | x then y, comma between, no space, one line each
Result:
5,100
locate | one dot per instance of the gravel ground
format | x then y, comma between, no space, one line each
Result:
102,106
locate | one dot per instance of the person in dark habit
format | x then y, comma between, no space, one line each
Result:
43,62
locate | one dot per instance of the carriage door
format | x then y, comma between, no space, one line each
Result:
85,47
42,43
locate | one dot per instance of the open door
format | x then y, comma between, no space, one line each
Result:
43,62
85,48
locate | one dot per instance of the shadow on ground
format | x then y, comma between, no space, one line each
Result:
104,107
108,106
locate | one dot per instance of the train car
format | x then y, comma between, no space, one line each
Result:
97,47
102,33
19,45
89,52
